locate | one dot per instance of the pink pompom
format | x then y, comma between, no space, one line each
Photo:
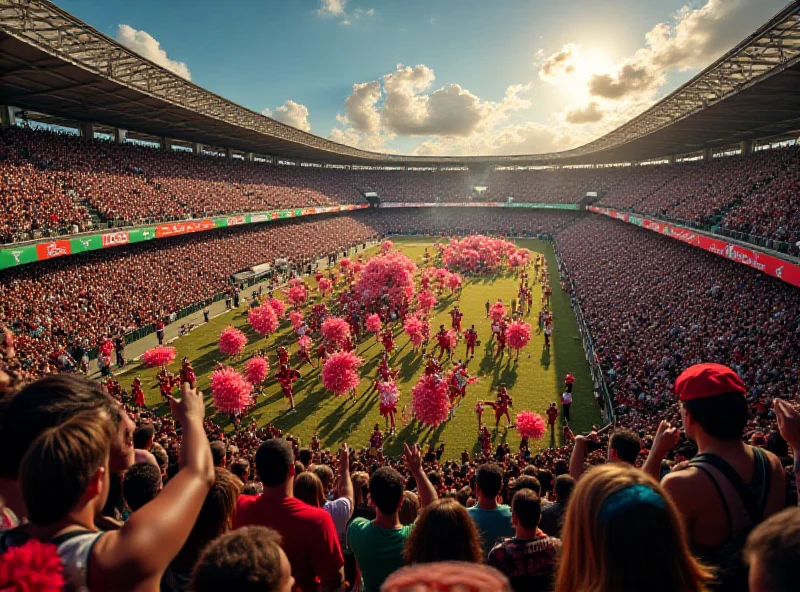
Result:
358,267
426,300
387,245
518,334
297,295
431,400
345,263
497,312
159,356
374,323
454,281
257,369
452,337
340,372
232,392
325,285
530,425
388,277
232,341
278,306
297,319
335,330
295,282
415,328
263,319
304,343
32,567
389,393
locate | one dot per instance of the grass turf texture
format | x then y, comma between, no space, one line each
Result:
534,381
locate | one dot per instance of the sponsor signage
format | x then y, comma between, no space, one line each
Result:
183,227
81,244
115,239
18,256
53,249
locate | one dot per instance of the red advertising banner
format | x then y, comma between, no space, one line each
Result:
51,250
183,227
774,266
236,220
115,239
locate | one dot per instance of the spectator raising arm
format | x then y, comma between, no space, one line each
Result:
665,440
345,488
425,489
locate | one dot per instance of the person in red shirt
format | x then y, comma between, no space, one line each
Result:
287,377
138,392
552,414
160,332
283,356
471,337
444,343
387,339
456,316
569,380
501,405
187,373
309,536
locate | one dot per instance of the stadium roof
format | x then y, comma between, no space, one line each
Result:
52,62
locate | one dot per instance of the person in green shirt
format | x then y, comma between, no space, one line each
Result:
492,519
378,544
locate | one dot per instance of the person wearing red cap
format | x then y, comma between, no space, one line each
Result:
728,487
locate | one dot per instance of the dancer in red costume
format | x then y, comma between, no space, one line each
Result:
187,373
485,438
376,439
501,344
287,377
501,405
166,382
471,337
113,387
479,412
387,339
443,340
283,356
456,315
138,392
305,357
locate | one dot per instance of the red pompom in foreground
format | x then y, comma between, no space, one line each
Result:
374,323
340,372
257,369
431,401
335,330
297,295
32,567
232,392
518,334
159,356
387,245
530,425
232,341
263,319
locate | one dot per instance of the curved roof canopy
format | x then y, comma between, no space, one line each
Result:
52,62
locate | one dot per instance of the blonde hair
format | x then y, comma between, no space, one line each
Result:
622,533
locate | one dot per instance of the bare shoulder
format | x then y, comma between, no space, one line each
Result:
683,483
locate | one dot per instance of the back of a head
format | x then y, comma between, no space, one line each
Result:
44,404
714,396
773,552
141,484
143,435
386,490
308,489
410,508
627,446
274,461
622,532
545,478
218,451
527,482
325,474
527,508
489,479
216,515
564,487
304,456
68,455
246,560
241,468
444,532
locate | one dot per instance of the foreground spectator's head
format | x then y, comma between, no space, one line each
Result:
773,552
275,462
489,480
526,510
624,446
446,576
325,474
249,559
141,484
409,510
308,489
386,490
143,436
564,487
713,404
614,510
75,456
444,532
241,468
219,450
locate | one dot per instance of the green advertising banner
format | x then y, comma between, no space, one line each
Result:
220,222
18,256
90,242
138,235
544,206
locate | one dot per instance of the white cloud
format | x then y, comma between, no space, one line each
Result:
591,113
528,138
629,78
291,113
561,63
375,142
146,46
359,107
337,9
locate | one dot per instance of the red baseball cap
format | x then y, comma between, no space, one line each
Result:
707,380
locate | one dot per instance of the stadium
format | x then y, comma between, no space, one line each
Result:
301,361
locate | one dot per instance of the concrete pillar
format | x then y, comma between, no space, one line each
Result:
747,147
120,135
197,148
671,159
87,130
228,154
707,154
248,156
8,115
166,143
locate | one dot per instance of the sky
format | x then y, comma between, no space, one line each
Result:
436,77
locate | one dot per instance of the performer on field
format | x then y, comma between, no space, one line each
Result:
138,392
552,414
387,339
443,340
471,338
287,377
501,405
283,356
187,372
456,315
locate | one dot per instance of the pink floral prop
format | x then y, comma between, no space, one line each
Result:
414,327
374,323
257,369
431,402
477,254
296,317
389,393
530,425
295,282
452,337
335,330
426,300
304,343
263,319
518,334
232,341
392,275
32,567
345,263
454,281
358,267
159,356
325,285
340,372
297,295
387,245
232,392
278,306
497,312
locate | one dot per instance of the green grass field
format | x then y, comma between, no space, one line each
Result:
534,381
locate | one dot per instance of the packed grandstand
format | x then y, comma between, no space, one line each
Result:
682,273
